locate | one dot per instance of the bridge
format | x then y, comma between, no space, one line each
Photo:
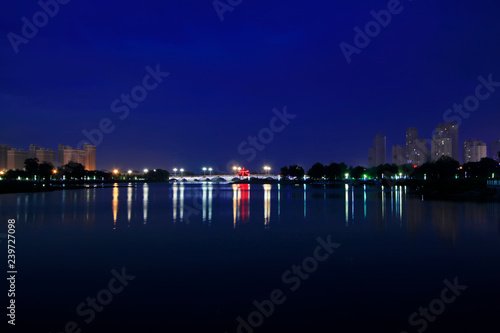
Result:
220,178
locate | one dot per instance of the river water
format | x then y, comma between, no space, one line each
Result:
252,258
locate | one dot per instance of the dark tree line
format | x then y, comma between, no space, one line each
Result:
444,168
74,171
293,171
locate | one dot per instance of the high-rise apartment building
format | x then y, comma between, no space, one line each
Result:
89,156
399,155
43,155
417,149
445,141
495,150
16,158
411,136
474,150
85,157
377,154
3,156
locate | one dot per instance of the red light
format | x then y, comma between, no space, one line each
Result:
243,173
415,166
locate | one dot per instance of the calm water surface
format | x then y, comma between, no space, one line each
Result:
201,254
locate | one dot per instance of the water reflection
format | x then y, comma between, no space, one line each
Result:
346,204
207,197
178,202
115,204
145,198
364,200
241,203
378,208
129,202
279,200
305,200
174,202
267,204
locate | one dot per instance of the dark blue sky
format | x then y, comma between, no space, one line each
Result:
227,77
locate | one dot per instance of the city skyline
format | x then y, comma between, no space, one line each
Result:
173,85
416,151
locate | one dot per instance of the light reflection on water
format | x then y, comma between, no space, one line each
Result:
239,204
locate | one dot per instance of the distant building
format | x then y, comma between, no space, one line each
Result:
43,155
417,149
3,156
377,154
16,158
399,155
411,136
494,150
89,156
474,151
445,141
85,157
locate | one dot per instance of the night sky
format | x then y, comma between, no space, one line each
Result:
226,77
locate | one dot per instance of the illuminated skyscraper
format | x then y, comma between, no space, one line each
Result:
474,150
417,149
89,156
445,141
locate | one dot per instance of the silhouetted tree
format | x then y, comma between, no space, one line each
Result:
447,167
357,172
333,171
31,166
158,175
74,170
45,170
296,171
317,171
284,171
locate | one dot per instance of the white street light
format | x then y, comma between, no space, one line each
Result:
146,170
181,170
204,171
210,170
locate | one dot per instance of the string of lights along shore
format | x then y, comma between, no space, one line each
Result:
416,151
